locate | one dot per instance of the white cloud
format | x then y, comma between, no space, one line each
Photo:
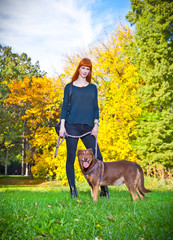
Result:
49,29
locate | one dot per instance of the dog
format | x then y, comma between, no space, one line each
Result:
116,173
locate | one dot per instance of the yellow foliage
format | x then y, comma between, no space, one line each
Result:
45,163
41,98
117,81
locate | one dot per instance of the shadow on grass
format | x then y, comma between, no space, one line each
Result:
17,180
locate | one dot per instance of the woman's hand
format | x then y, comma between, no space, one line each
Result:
95,130
62,130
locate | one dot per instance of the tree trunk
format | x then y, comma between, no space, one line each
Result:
6,170
154,169
31,175
23,149
6,162
27,164
31,163
26,169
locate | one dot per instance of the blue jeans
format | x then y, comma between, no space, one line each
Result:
71,143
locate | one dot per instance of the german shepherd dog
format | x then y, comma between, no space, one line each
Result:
116,173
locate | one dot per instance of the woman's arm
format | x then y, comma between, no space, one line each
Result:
96,107
96,114
64,110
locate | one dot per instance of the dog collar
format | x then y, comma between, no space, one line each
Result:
102,172
91,169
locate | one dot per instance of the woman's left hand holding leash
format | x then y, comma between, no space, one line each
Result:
95,131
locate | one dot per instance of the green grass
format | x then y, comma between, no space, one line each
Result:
46,211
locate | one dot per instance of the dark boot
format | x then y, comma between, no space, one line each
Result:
104,192
73,191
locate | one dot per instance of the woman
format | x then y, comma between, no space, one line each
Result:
83,118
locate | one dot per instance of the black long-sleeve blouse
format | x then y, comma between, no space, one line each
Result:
83,107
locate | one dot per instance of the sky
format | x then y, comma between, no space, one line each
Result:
50,30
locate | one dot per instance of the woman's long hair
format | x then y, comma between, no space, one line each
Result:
84,62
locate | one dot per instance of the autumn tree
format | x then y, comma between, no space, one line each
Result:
152,55
12,66
39,101
118,83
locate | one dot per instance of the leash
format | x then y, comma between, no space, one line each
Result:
83,135
72,136
57,145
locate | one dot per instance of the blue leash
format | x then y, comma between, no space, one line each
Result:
68,135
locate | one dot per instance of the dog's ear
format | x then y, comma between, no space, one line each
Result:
90,150
79,152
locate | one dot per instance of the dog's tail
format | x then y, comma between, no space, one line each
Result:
141,182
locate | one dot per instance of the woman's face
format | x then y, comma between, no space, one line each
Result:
84,71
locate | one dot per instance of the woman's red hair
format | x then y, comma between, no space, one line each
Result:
84,62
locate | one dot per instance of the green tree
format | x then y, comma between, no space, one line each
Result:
12,66
152,54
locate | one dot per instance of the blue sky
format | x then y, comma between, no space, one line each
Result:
49,30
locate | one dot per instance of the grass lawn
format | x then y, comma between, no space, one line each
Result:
45,210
